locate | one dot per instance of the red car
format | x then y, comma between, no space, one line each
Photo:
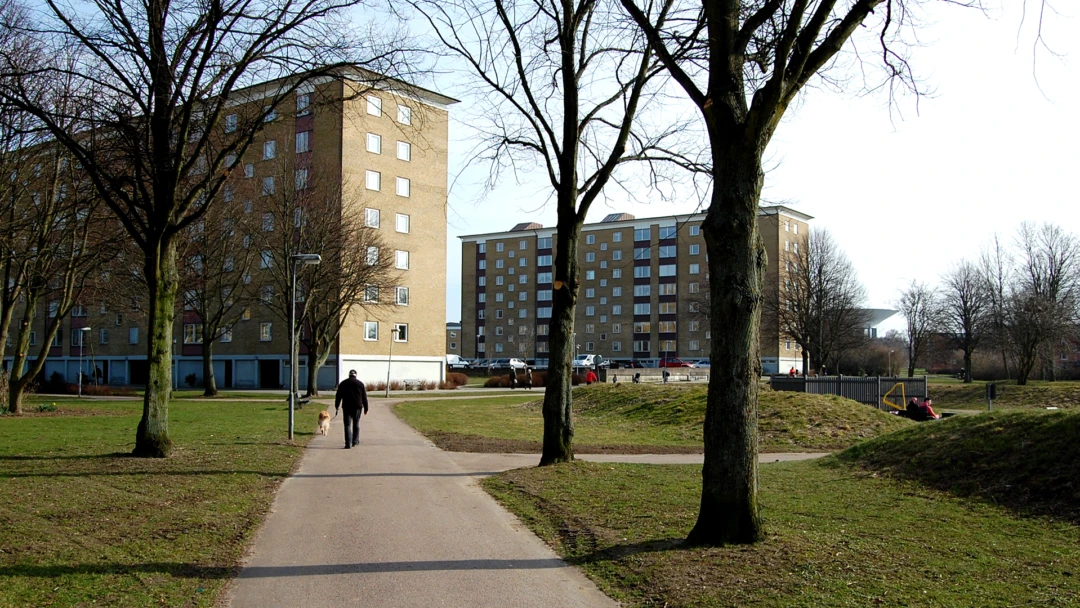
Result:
673,362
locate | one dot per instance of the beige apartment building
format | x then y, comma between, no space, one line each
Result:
384,146
642,290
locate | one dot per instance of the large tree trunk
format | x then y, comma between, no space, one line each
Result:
318,352
967,366
209,381
152,438
558,423
737,261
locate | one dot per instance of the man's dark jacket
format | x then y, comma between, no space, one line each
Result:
351,394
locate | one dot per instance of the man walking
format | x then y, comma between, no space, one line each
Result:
352,394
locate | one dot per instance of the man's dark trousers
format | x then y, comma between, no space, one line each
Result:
352,426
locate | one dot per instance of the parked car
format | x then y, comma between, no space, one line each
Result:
506,364
701,363
456,362
673,362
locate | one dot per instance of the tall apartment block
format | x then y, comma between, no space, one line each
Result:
384,147
643,289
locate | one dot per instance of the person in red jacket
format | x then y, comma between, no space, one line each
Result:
928,411
590,377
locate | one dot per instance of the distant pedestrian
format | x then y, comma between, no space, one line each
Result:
791,372
528,378
590,377
351,396
666,374
512,378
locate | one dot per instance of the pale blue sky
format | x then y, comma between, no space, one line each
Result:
905,192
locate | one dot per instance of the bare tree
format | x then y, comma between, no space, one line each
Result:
1045,297
922,314
966,309
156,80
313,214
566,80
742,64
995,266
819,302
214,266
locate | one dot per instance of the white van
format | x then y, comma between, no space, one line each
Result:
456,362
590,361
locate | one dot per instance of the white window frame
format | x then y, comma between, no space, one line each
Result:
402,186
371,331
404,151
269,149
401,223
401,259
374,143
374,105
373,180
404,115
372,217
303,142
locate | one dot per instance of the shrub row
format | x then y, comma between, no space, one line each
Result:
539,379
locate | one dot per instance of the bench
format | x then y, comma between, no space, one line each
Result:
411,384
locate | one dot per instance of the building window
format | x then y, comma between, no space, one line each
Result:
401,332
543,295
403,187
303,104
590,311
667,327
133,335
498,264
523,296
695,268
401,296
371,218
269,149
401,223
523,244
372,256
642,309
374,105
481,281
667,251
590,275
481,297
665,289
543,242
371,330
103,336
590,239
695,249
268,222
523,279
590,257
303,142
693,345
374,143
481,265
269,113
543,312
590,292
693,287
616,309
522,262
481,248
641,346
543,277
498,297
401,260
667,270
642,253
667,232
616,237
373,180
404,151
371,293
668,308
543,260
193,333
404,115
523,313
266,259
499,314
642,272
642,234
695,230
230,123
268,186
300,179
249,170
266,294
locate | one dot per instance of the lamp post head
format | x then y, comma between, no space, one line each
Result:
84,329
307,258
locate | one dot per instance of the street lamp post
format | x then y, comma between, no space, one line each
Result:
890,363
82,346
300,258
389,358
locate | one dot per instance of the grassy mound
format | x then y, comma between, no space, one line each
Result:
625,418
786,421
1025,461
1065,395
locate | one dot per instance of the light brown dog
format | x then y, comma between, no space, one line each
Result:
324,422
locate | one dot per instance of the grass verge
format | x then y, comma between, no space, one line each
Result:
834,537
635,418
82,523
1064,395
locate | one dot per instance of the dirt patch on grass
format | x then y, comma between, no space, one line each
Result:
457,442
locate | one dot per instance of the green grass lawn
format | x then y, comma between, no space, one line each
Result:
83,524
634,417
834,537
1035,395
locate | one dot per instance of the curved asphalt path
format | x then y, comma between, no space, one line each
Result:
398,522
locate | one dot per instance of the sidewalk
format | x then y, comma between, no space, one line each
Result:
397,522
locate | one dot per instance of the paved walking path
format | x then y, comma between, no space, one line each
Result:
399,522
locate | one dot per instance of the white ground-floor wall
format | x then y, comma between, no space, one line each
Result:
780,365
373,369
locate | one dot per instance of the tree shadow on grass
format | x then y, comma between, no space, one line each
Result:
71,457
618,552
143,472
179,570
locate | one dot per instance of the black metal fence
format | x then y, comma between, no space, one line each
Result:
871,390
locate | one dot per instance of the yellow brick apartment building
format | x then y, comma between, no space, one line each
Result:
385,147
642,291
